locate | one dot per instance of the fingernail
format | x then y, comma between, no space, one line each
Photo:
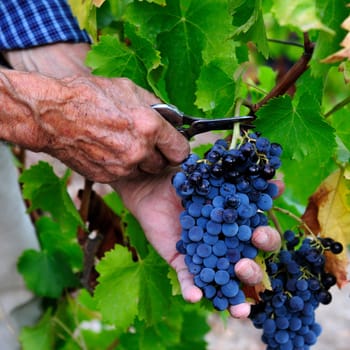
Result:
248,272
261,238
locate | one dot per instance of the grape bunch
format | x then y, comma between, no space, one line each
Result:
224,197
300,283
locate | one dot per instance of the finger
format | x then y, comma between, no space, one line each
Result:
280,186
266,238
154,163
240,310
248,271
172,144
189,291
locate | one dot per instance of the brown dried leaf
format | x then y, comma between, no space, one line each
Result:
337,267
98,3
343,53
328,214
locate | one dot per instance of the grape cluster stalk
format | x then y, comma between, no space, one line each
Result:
225,197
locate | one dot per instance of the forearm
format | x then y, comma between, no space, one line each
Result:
25,99
57,60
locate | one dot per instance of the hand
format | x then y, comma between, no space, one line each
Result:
153,201
108,130
102,128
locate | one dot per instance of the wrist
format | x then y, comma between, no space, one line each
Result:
56,60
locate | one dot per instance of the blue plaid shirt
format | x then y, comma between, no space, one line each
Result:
28,23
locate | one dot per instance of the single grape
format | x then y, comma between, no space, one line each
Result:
336,248
207,274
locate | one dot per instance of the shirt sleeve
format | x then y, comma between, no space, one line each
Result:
29,23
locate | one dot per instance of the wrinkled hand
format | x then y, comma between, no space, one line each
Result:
102,128
155,204
108,130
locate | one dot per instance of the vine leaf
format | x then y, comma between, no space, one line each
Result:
184,34
248,23
40,336
128,289
216,95
328,213
301,129
301,14
133,59
46,191
46,273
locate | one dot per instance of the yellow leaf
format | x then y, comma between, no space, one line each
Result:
334,207
328,214
85,12
266,279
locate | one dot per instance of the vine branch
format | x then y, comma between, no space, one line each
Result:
338,106
291,76
84,209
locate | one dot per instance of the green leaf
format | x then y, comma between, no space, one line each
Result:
299,14
194,329
40,336
155,294
133,59
181,31
307,171
332,14
114,201
341,123
150,293
137,237
46,274
249,24
117,294
183,326
48,192
216,87
310,86
52,239
301,129
175,284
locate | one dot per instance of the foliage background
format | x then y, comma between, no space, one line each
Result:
210,58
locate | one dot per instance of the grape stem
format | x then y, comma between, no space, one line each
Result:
291,76
296,218
236,132
274,219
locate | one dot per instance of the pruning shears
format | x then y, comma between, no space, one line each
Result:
190,126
